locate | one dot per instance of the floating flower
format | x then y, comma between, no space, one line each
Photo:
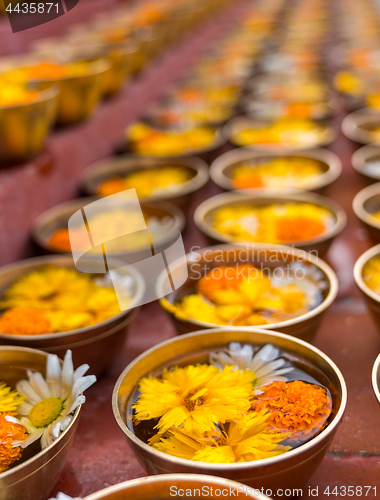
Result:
49,404
11,431
265,364
243,440
194,397
296,407
24,321
9,400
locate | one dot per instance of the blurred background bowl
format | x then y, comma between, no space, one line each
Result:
324,136
99,344
163,486
203,216
360,126
24,127
222,168
366,203
57,217
34,477
304,326
120,166
366,161
289,470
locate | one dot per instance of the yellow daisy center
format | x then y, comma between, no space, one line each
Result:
45,412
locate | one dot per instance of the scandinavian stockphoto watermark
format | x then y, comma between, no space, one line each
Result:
138,250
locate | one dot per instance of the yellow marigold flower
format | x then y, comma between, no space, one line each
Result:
9,400
10,431
244,440
296,407
194,397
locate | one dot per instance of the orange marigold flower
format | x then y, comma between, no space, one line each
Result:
9,432
296,407
223,278
289,228
24,321
60,240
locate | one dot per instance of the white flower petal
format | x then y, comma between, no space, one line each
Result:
266,354
79,372
62,496
73,404
82,384
53,375
34,436
24,388
24,409
39,385
12,420
67,376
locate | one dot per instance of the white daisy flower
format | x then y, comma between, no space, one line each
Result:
49,404
265,364
62,496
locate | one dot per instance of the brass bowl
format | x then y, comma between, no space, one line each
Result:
203,216
35,477
358,126
118,166
79,94
304,326
290,470
24,127
163,486
365,203
371,298
376,378
121,57
222,168
236,125
97,345
364,160
207,153
58,216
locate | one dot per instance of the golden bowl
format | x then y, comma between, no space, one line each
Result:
36,475
291,470
203,216
325,135
366,161
207,153
24,127
304,326
376,378
372,299
118,166
58,216
222,168
98,345
164,486
121,56
360,126
366,203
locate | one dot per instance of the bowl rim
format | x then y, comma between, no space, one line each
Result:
97,67
217,467
50,259
330,129
360,157
219,140
44,95
358,204
351,123
375,375
358,272
317,261
8,473
163,478
77,203
131,164
220,164
301,195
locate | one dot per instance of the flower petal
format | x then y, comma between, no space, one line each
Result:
24,387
